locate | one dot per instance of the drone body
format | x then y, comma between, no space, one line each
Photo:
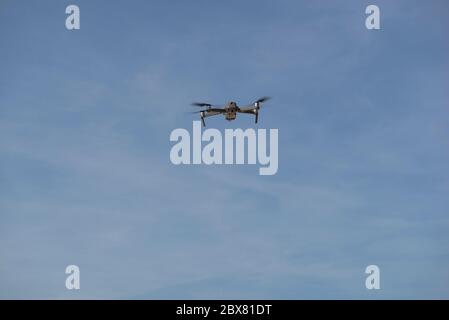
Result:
230,110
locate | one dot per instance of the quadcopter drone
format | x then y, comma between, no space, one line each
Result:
230,110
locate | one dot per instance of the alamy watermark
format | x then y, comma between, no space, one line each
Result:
72,22
73,280
189,149
373,279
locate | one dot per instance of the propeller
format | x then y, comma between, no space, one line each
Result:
201,104
263,99
258,102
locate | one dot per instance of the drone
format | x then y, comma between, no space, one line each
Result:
229,110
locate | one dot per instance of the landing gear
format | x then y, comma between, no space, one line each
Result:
256,110
202,119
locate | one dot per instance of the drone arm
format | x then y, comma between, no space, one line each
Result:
251,110
207,113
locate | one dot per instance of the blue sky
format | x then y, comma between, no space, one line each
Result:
85,175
